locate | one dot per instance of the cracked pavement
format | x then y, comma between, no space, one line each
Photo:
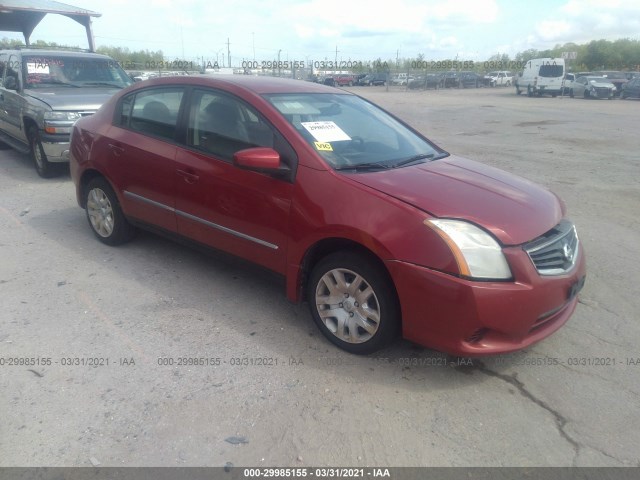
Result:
571,400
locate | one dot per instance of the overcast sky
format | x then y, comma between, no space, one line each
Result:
361,30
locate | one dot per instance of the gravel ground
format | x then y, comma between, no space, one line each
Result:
65,296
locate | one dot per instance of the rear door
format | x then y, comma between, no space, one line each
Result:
239,211
142,150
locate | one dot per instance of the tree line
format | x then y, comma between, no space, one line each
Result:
622,54
121,54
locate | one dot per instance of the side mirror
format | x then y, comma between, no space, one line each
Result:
260,159
10,83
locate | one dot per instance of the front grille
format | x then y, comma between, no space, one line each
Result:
555,252
603,92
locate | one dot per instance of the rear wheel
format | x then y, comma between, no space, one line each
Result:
571,92
353,302
529,91
43,166
104,213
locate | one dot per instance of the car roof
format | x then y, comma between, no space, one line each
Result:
251,83
53,53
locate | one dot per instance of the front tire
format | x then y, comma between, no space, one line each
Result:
353,302
42,164
104,214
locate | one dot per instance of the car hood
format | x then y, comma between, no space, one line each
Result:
515,210
73,99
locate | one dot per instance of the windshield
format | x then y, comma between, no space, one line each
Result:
48,70
351,133
598,79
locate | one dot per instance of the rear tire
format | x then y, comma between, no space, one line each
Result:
353,302
104,214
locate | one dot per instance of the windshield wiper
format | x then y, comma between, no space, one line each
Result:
105,84
418,158
364,166
58,82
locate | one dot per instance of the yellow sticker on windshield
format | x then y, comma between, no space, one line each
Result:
323,146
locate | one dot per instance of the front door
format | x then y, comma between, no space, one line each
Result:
243,212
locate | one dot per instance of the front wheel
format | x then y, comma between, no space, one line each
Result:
43,166
353,302
104,213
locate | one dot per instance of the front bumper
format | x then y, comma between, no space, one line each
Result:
56,147
470,318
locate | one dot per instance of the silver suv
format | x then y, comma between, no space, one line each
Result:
43,93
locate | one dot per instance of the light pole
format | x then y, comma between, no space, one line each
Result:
279,61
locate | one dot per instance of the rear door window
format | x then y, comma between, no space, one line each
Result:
153,111
551,71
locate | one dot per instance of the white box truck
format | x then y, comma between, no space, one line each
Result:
541,76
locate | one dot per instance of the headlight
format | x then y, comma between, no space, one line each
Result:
478,255
60,122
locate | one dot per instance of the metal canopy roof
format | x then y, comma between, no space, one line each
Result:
24,15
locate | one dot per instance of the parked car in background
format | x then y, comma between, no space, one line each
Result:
617,78
541,76
357,79
349,204
401,79
451,80
42,94
631,89
430,80
469,80
592,87
343,80
374,79
498,79
567,84
329,80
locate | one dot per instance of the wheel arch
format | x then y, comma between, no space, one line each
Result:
86,178
297,281
28,122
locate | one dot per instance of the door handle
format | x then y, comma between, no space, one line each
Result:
189,178
117,151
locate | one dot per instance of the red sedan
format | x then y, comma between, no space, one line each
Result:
380,230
